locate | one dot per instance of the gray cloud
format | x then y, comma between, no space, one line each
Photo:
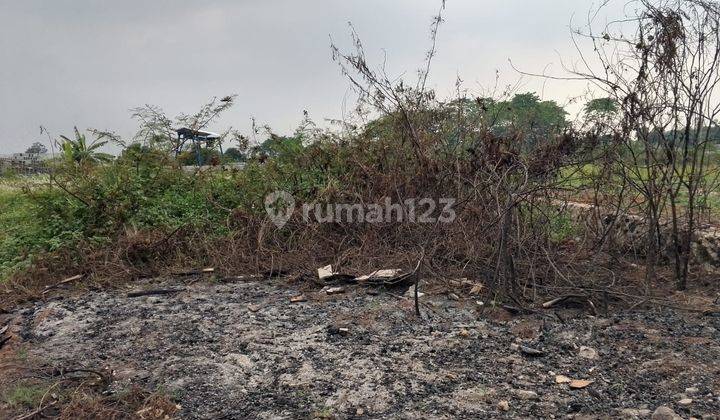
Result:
87,62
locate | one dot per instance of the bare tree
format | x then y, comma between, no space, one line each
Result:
661,65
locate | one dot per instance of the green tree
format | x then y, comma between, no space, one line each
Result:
526,113
37,148
233,154
278,147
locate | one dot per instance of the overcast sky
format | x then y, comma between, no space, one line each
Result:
87,62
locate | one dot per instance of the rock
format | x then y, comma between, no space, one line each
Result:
664,413
410,294
503,405
588,353
529,351
562,379
685,401
359,412
634,413
464,333
254,308
526,395
691,390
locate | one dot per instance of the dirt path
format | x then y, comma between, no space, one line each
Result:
241,350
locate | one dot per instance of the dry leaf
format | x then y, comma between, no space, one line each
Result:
477,289
580,383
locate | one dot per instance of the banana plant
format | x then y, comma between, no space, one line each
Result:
79,151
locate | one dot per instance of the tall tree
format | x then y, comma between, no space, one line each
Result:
37,148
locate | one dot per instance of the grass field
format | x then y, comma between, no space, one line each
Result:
18,227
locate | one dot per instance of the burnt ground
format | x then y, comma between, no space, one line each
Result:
242,350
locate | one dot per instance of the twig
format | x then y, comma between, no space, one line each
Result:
36,412
154,292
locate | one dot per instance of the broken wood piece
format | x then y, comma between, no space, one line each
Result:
335,290
298,299
328,275
232,279
4,329
208,270
386,277
66,281
153,292
549,304
335,330
385,274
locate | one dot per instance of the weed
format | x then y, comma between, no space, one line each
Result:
24,395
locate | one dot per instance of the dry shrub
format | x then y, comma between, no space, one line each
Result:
133,404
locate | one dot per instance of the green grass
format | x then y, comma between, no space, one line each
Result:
24,395
16,222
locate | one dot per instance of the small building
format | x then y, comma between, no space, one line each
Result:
24,163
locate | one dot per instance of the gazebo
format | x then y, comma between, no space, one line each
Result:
197,137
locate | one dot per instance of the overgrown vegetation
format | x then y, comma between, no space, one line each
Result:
645,147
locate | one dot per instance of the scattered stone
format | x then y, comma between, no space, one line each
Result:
685,401
254,308
526,395
464,333
588,353
503,405
529,351
635,413
410,294
691,390
359,412
453,296
664,413
562,379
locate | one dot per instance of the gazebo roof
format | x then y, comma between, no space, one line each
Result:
197,134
